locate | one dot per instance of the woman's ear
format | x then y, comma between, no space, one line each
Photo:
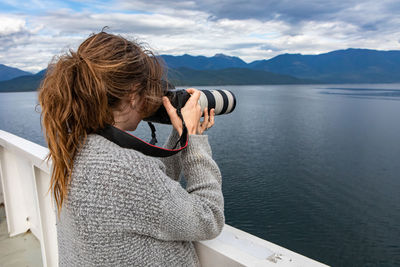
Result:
135,101
133,97
132,100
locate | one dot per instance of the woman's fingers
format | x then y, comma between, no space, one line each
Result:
204,124
191,113
195,96
175,120
169,108
191,90
206,117
212,116
208,121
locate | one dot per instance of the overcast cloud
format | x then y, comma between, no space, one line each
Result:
34,31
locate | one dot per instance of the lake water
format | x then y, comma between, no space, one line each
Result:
313,168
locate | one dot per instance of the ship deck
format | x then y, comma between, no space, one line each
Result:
20,250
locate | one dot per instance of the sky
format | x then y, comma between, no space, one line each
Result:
33,31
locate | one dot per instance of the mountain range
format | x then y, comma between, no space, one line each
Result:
230,76
23,83
219,61
340,66
7,73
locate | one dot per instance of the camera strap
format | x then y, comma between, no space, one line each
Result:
184,129
127,140
184,135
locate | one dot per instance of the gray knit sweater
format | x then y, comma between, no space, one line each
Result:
127,209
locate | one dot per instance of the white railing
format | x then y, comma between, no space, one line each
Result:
25,182
25,178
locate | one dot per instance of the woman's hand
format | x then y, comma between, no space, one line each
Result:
208,121
191,114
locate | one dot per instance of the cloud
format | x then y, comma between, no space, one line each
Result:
8,41
66,22
287,10
11,24
262,10
252,30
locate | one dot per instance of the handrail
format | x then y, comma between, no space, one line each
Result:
25,179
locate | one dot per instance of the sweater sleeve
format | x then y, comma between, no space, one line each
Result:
173,213
196,213
173,164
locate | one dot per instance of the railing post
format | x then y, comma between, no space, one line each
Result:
47,219
1,186
13,193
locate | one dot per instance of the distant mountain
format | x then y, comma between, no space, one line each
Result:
219,61
23,83
7,73
341,66
180,77
230,76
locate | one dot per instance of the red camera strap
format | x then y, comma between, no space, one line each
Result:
127,140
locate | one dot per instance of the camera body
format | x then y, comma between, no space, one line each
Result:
223,101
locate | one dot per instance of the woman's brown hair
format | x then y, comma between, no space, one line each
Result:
81,89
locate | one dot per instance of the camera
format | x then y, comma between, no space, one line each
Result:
223,101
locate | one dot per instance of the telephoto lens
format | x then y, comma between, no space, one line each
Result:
223,101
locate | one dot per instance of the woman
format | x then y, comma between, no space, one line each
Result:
116,206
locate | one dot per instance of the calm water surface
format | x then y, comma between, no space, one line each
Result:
313,168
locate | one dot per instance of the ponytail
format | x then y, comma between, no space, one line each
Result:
80,91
